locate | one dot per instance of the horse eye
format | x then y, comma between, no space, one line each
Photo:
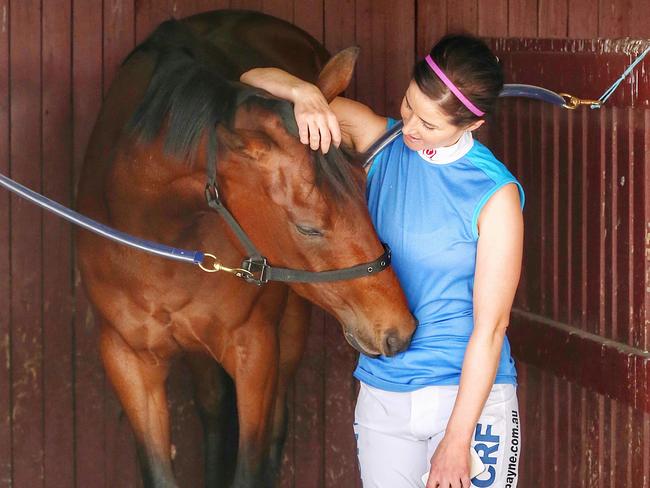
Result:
309,231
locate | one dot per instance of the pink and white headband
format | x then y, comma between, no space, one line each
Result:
454,89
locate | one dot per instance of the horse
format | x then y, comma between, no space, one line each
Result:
175,112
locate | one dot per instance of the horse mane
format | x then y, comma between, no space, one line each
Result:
188,94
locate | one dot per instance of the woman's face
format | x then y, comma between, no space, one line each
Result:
426,126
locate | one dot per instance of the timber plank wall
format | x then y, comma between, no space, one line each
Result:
580,329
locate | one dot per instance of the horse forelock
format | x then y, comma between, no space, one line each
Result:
335,170
187,97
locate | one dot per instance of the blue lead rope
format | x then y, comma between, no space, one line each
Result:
194,257
534,92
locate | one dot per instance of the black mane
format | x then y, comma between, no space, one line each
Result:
188,93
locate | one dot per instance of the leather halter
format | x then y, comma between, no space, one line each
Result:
255,267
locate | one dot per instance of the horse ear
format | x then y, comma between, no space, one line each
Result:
245,143
337,73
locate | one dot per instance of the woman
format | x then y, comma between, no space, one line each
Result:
451,213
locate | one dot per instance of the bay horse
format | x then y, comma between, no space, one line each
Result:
175,111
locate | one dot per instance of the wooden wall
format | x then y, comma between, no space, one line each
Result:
579,328
534,18
60,425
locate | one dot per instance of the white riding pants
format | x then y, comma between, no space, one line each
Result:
397,434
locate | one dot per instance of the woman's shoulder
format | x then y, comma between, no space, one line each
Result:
484,159
499,181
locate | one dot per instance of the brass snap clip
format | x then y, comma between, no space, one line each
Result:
572,102
215,266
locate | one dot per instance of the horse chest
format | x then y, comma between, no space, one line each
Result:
215,314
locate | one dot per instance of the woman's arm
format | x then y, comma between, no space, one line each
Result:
319,123
498,266
359,124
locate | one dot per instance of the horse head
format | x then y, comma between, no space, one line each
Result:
306,210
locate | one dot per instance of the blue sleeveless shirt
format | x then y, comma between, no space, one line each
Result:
426,208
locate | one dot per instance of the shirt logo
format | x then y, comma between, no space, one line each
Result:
448,154
429,153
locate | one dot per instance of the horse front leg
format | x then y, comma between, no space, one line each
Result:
140,387
292,337
214,394
253,360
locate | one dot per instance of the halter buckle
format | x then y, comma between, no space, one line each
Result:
212,193
258,269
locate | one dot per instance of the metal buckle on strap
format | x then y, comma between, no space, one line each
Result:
258,269
212,193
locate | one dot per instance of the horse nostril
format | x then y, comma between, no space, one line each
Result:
394,344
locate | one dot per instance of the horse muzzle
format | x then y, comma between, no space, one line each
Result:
352,340
390,345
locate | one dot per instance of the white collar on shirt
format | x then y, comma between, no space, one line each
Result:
449,154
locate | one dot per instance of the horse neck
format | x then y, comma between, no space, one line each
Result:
153,194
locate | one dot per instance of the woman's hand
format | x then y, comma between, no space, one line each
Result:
450,465
317,124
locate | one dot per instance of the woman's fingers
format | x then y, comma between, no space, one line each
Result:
319,134
436,481
303,129
456,483
317,124
325,135
329,132
314,134
334,129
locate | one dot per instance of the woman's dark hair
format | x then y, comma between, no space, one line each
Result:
471,66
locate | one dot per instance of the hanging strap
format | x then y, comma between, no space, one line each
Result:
608,93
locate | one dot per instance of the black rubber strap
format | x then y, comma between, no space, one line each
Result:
358,271
214,202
